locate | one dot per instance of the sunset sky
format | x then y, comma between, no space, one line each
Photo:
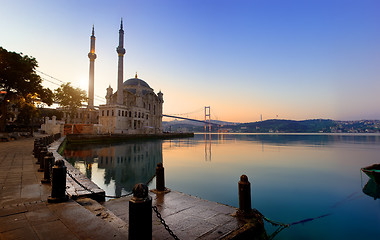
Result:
286,59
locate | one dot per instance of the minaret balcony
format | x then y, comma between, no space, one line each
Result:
120,50
92,56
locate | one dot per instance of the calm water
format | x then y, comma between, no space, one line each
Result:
293,177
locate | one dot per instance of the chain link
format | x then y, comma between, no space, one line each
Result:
164,223
274,223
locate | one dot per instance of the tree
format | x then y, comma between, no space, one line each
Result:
70,98
19,82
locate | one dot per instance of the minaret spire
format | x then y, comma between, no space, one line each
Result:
120,51
92,57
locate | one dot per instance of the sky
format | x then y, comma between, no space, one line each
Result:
285,59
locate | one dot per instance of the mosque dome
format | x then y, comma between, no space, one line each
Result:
134,82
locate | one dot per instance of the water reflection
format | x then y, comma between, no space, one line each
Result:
121,166
372,189
208,147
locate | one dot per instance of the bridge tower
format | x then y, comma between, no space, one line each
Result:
208,114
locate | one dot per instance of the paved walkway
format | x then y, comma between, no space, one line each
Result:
24,211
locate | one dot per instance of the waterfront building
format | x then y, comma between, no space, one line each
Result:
134,108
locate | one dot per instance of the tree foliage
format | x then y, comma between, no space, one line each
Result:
19,82
70,98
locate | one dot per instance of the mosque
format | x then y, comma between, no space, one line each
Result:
133,108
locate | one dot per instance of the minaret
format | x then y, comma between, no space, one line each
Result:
120,51
92,57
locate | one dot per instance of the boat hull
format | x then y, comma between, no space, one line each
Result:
373,172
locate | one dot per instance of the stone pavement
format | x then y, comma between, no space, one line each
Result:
24,211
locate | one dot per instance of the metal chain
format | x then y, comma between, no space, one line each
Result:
72,177
274,223
164,223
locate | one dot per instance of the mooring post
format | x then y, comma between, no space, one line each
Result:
35,145
58,183
41,157
36,149
160,177
244,196
48,162
41,149
140,213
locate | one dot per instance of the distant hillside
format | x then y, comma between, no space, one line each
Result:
280,126
287,126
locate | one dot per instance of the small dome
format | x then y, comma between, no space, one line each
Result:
134,82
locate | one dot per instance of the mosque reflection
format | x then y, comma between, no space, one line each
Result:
123,165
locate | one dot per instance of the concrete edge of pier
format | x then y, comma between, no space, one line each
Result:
73,188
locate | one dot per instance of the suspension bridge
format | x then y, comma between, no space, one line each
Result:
207,117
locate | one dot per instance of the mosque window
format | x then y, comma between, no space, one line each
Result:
112,112
102,112
108,113
135,114
142,115
139,114
122,113
130,113
147,116
119,113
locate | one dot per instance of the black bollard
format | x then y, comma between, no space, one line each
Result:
36,149
160,177
35,144
48,162
58,183
41,157
140,213
244,197
39,152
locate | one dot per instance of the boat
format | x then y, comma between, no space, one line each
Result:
373,172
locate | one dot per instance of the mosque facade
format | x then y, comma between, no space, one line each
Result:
133,108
